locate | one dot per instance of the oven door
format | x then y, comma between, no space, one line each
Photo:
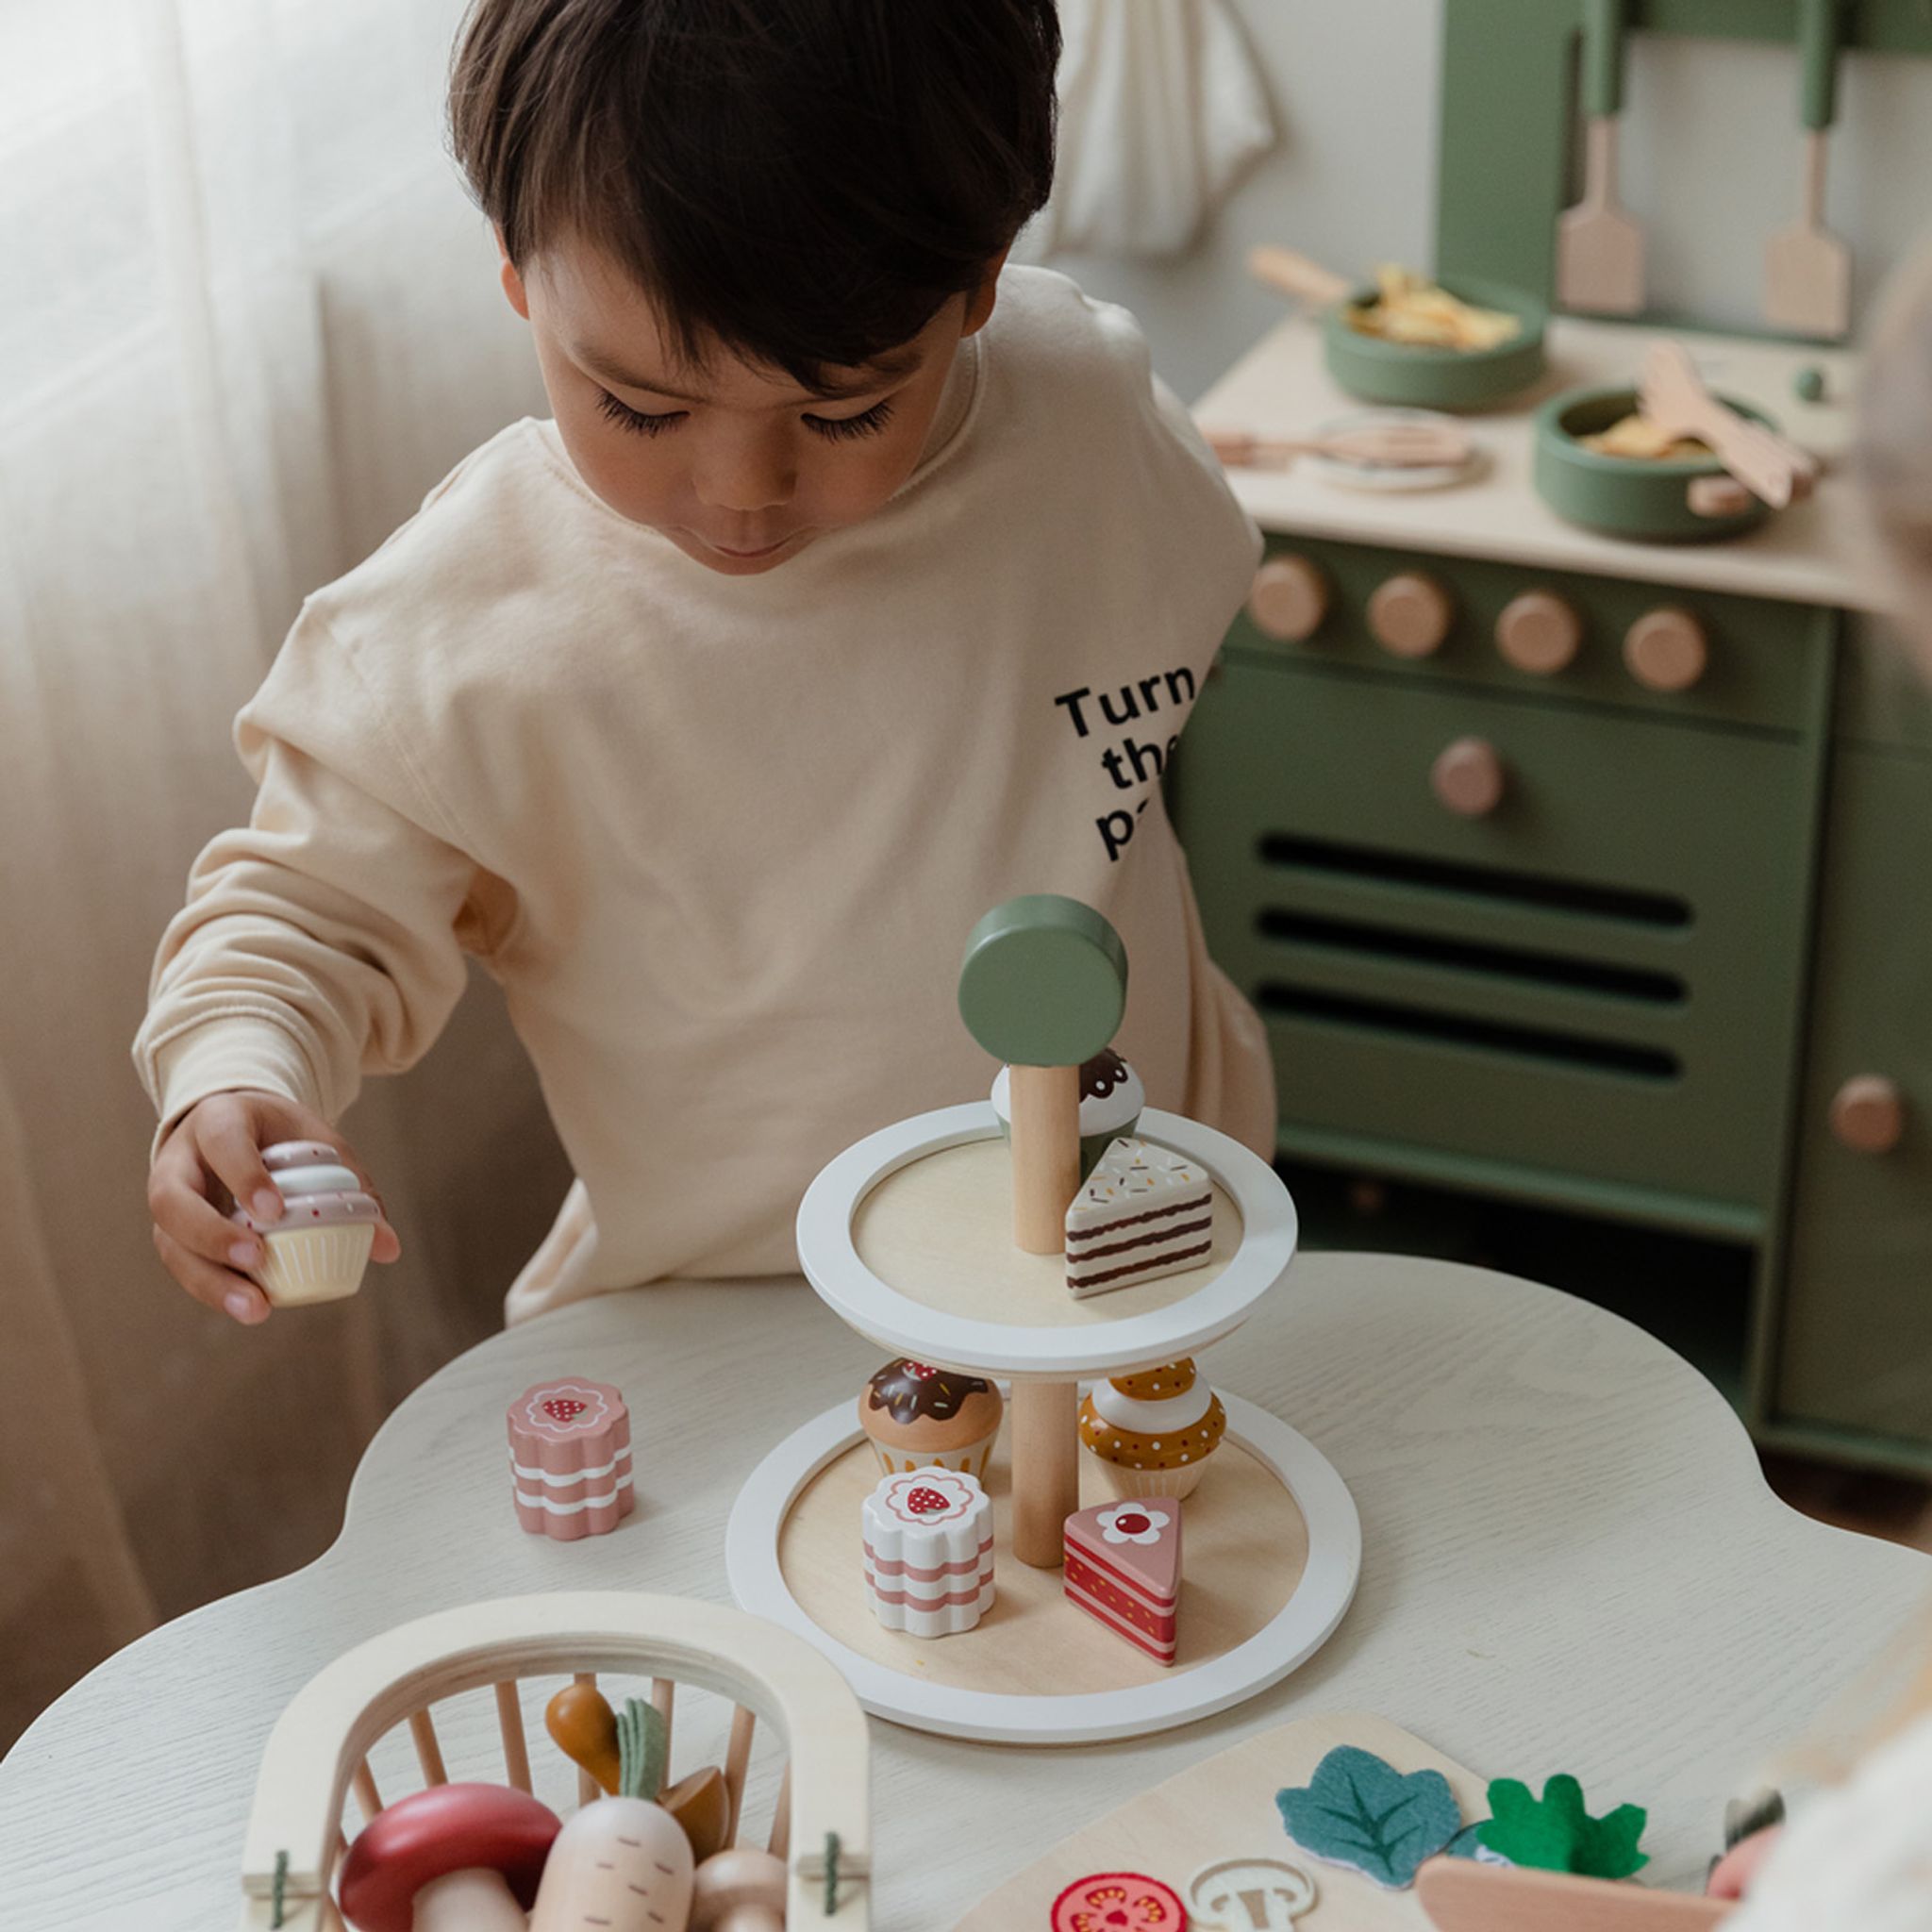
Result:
1587,990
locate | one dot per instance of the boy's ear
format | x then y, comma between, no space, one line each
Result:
512,280
980,301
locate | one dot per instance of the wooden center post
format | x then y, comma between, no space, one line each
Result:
1042,988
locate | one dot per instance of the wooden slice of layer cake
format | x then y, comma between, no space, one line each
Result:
1144,1211
1123,1569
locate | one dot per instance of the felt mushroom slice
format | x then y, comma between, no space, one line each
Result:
741,1891
454,1859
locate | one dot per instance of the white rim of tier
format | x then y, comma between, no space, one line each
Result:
831,1261
1296,1631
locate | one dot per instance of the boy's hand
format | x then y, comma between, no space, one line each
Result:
211,1159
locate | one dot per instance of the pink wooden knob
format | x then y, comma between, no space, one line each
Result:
1868,1114
1666,649
1410,615
1289,598
1539,632
1468,777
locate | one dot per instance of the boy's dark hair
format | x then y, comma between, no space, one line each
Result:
802,181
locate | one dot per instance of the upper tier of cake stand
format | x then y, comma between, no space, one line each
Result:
908,1236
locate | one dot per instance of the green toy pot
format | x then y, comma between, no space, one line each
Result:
1632,496
1423,378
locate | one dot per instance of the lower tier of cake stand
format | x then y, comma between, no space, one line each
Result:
1271,1553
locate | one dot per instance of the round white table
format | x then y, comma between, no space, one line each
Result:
1571,1562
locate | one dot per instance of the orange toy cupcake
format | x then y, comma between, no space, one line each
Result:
1152,1432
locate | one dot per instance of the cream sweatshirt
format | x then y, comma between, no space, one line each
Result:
721,839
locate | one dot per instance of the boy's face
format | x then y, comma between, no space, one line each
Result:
738,465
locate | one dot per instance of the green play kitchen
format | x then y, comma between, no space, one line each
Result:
1558,799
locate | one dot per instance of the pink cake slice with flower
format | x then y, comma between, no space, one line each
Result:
1123,1569
569,1459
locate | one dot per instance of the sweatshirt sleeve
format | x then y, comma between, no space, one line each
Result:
320,941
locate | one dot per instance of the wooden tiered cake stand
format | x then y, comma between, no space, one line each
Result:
908,1237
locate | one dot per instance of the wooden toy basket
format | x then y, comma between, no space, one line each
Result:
319,1750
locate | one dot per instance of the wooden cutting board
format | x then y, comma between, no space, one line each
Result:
1224,1809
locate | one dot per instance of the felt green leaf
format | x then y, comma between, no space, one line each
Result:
643,1749
1467,1844
1555,1834
1359,1813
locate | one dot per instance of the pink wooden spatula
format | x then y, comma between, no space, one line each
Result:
1673,397
1461,1895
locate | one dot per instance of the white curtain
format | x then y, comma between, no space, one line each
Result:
247,319
1162,112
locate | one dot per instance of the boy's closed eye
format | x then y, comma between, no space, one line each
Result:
655,422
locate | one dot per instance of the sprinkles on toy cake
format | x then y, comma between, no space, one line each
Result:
1144,1211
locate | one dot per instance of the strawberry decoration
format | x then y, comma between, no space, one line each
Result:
1118,1902
924,1502
564,1409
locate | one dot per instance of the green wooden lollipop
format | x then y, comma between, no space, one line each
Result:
1044,982
1042,988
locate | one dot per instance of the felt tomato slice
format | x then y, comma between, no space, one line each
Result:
1118,1902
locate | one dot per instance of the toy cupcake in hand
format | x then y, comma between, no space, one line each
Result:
319,1248
920,1417
1152,1432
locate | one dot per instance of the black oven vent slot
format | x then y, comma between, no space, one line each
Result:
1380,866
1650,1063
1473,955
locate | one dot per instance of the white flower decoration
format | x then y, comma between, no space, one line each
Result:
1131,1522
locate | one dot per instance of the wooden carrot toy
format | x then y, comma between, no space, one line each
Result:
585,1729
621,1863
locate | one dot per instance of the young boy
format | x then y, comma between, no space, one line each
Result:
855,587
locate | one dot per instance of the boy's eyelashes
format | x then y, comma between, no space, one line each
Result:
833,429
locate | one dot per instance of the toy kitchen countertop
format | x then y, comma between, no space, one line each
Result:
1817,552
1590,874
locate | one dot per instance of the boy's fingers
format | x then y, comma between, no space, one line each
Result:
218,1288
227,1138
388,1248
194,1223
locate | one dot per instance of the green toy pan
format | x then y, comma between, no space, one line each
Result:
1423,378
1679,499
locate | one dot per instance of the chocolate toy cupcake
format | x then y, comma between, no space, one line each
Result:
1112,1097
919,1418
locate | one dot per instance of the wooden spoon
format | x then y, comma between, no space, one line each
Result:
1673,397
1395,445
1290,273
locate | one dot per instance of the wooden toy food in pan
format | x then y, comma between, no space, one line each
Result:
1484,368
1687,498
301,1834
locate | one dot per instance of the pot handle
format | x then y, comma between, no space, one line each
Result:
1717,496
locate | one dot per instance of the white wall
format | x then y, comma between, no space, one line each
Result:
1352,181
1712,165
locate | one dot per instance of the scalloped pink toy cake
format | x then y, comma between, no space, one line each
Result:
569,1459
928,1552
